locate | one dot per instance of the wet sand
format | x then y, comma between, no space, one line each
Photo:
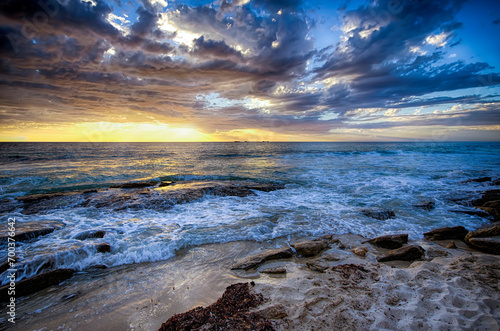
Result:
457,289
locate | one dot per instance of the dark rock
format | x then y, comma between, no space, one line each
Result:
104,248
98,266
230,312
480,213
256,260
486,240
455,232
136,184
166,183
489,245
36,283
433,253
491,195
390,241
317,266
6,265
426,205
479,180
406,253
37,197
310,248
274,271
493,211
380,214
30,230
90,234
451,245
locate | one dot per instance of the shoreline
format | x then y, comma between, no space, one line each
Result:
143,296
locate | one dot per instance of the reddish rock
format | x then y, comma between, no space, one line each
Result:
310,248
486,240
390,241
406,253
455,232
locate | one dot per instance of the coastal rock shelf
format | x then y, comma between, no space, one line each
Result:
141,195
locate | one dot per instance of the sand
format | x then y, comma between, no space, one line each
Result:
453,289
456,292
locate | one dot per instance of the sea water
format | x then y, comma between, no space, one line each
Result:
326,187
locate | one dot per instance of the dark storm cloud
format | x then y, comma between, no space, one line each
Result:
68,58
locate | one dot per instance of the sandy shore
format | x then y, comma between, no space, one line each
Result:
451,289
458,291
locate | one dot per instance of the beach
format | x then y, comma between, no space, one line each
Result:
145,232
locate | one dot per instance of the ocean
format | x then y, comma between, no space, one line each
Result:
326,186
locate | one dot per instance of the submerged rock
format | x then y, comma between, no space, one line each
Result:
407,253
31,230
135,184
36,283
310,248
90,234
478,180
230,312
104,248
380,214
430,205
256,260
454,232
486,240
390,241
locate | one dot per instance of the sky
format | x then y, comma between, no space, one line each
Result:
249,70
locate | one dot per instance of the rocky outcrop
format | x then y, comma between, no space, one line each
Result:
36,283
134,196
103,248
390,241
380,214
273,271
310,248
478,180
230,312
486,240
455,232
90,234
136,184
256,260
31,230
317,266
406,253
489,203
429,205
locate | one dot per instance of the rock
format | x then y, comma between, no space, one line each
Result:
390,241
166,183
489,244
6,265
485,239
104,248
455,232
310,248
477,212
493,211
430,205
274,271
36,283
257,259
491,195
479,180
380,214
135,184
317,266
451,245
406,253
31,230
361,251
433,253
90,234
274,312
